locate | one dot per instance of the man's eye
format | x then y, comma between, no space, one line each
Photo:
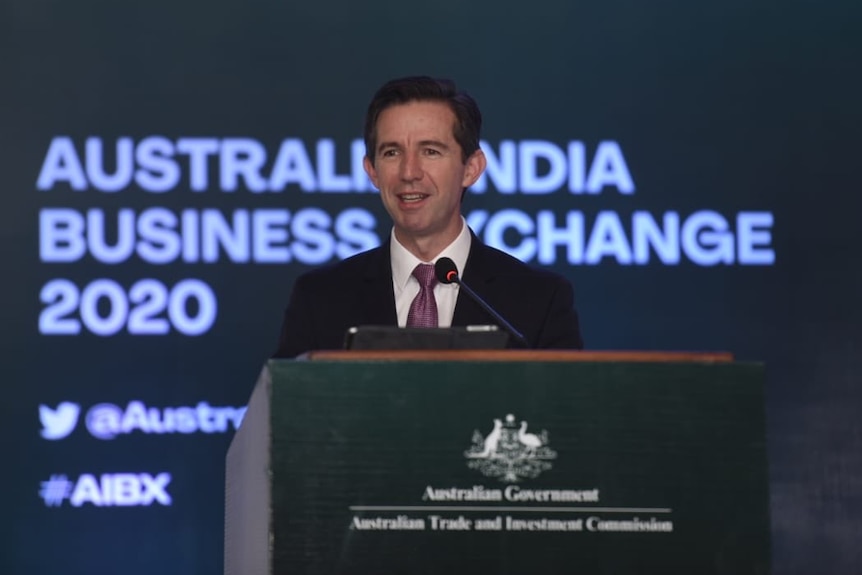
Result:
388,153
432,152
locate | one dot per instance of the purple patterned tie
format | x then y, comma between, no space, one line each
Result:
423,310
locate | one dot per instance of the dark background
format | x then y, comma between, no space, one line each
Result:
732,106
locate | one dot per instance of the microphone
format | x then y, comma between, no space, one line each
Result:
447,273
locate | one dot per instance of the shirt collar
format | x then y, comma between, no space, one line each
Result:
404,262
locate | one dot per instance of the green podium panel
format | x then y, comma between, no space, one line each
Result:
507,464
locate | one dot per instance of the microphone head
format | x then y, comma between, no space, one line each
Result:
446,271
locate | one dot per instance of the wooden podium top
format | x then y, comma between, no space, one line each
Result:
519,355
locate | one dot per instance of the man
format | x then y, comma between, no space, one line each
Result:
422,153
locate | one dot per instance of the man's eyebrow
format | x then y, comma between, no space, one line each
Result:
435,143
422,143
384,145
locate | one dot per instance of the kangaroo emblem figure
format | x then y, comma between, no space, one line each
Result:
491,441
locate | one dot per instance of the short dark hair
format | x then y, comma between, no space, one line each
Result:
468,118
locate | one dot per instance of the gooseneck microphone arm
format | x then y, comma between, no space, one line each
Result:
447,273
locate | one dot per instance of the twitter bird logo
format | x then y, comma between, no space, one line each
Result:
60,422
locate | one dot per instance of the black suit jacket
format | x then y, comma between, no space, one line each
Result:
358,291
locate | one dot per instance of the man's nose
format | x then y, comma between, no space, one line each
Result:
411,167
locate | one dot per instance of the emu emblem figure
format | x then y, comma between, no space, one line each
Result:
530,440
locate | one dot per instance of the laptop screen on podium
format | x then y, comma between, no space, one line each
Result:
390,337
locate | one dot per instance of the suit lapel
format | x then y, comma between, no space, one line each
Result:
478,275
376,297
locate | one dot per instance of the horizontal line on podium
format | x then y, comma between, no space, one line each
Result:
523,355
509,509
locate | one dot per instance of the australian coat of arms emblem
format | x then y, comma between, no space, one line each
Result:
509,452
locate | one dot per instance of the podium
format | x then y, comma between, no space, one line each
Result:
503,462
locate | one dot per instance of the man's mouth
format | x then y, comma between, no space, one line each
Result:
412,198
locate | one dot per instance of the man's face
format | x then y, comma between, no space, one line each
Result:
419,172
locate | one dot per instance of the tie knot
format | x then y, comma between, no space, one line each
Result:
425,274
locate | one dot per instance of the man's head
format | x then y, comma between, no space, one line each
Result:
468,118
422,152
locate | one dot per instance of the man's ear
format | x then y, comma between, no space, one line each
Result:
369,169
474,168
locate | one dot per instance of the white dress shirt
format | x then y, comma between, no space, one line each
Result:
406,286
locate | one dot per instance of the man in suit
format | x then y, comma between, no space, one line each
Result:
422,153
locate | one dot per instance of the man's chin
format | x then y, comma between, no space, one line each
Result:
412,230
